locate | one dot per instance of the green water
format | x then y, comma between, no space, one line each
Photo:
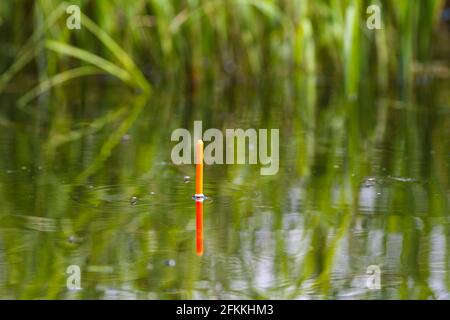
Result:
362,181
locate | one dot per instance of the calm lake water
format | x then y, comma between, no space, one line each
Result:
363,181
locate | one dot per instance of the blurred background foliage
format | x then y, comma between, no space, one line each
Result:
148,42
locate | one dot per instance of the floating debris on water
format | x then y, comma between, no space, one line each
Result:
100,269
133,200
187,179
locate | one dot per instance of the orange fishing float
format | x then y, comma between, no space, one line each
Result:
199,197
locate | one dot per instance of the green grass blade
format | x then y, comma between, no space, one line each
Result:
89,57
